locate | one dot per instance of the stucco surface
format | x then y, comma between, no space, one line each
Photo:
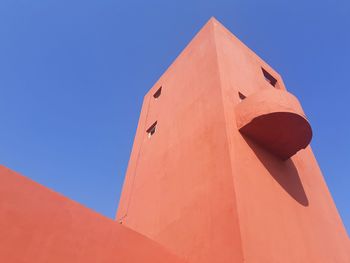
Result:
200,186
209,193
39,225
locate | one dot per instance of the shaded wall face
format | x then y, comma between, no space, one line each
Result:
178,188
286,213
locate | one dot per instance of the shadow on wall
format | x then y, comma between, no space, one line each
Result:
284,172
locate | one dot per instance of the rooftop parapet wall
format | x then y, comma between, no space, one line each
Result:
39,225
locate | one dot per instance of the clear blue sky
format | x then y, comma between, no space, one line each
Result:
73,75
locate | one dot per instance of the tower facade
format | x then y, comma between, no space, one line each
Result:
221,169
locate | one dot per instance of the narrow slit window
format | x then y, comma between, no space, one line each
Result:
269,78
157,93
151,130
241,96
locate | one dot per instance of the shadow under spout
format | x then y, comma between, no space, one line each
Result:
284,172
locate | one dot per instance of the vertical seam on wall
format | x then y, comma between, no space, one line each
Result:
227,139
132,186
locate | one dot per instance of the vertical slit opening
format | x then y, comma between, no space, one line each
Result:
269,78
241,96
157,93
151,130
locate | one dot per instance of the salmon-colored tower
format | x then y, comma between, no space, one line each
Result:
220,172
221,168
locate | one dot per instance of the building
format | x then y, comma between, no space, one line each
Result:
221,171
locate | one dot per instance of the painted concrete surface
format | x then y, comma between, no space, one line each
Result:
286,212
207,192
221,171
38,225
179,189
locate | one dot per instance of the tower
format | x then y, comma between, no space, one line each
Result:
221,169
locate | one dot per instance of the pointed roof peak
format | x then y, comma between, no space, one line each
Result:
214,20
